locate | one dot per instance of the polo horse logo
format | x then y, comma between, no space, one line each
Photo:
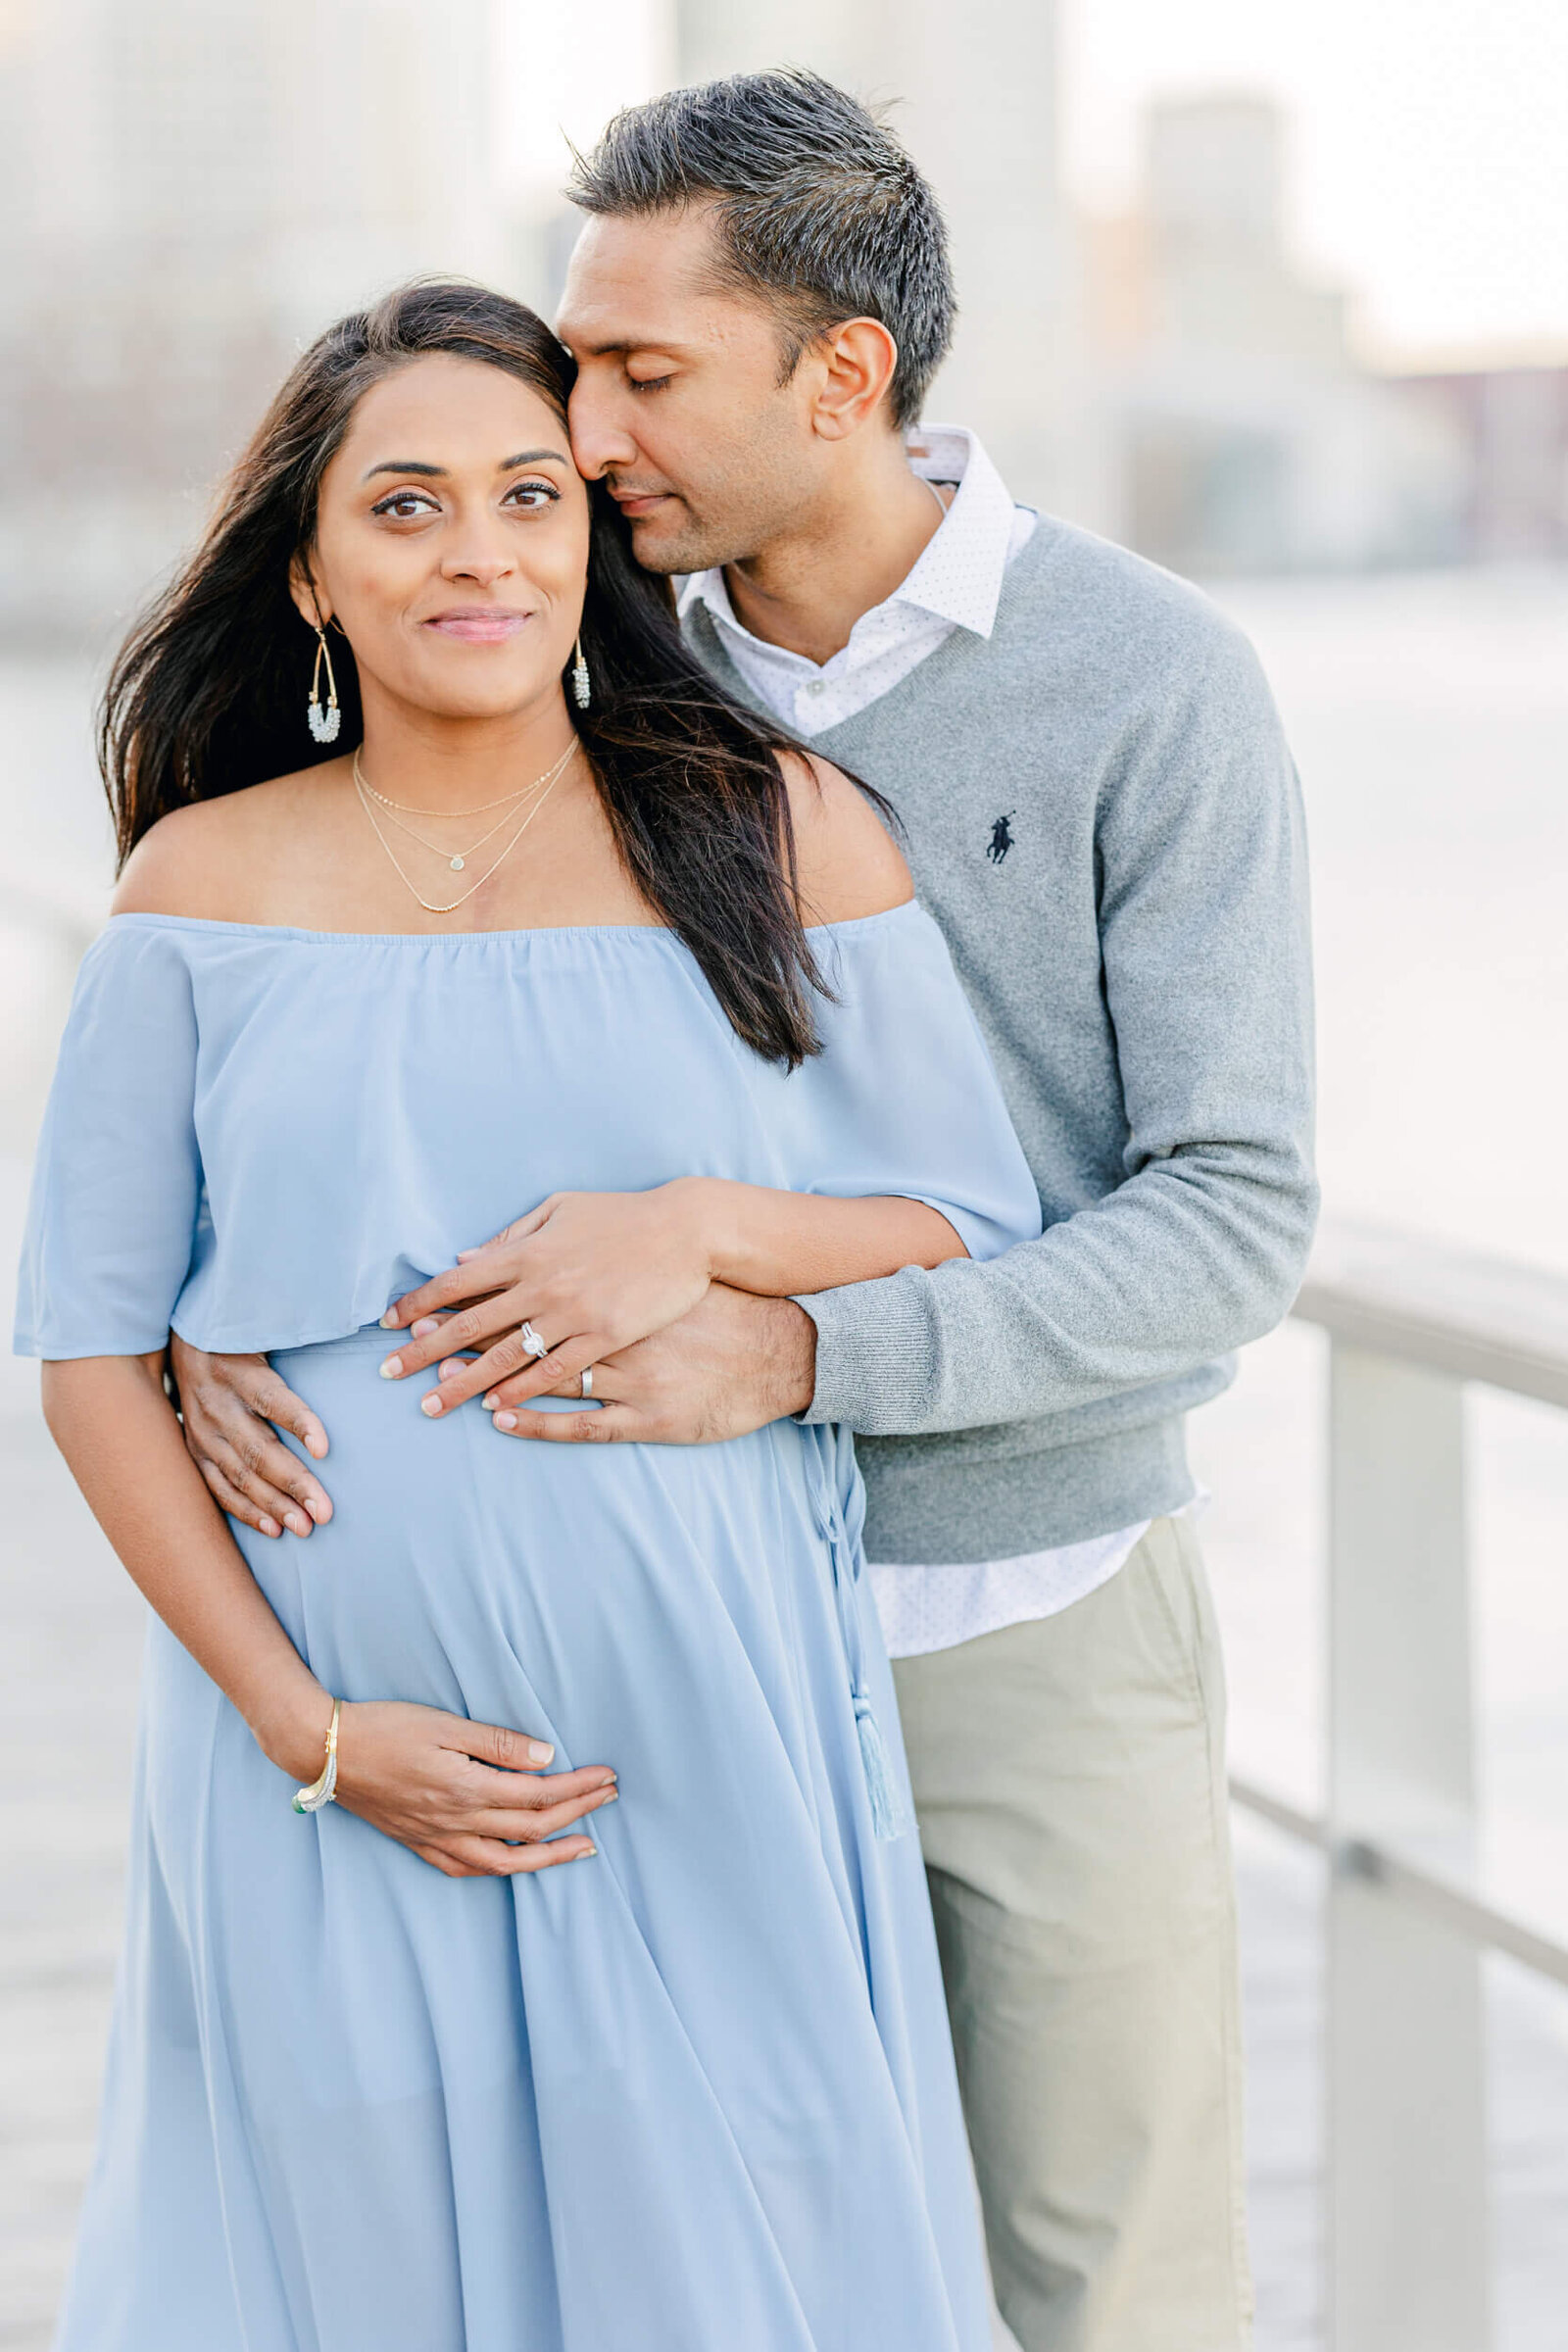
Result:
1002,836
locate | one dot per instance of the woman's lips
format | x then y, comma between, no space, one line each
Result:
477,627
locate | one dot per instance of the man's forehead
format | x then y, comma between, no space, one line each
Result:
644,285
593,329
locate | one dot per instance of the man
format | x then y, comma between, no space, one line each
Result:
1103,816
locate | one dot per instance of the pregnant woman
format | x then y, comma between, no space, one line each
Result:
527,1946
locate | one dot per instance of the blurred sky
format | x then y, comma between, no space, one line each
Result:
1430,143
1430,137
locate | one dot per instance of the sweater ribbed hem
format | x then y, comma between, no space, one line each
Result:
943,1507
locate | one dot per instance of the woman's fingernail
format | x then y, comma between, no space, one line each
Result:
450,1369
540,1752
490,1402
423,1328
393,1367
431,1404
505,1421
587,1853
389,1321
269,1527
607,1796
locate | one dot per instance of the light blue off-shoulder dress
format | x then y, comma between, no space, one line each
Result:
696,2094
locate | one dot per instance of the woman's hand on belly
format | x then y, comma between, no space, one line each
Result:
591,1273
231,1408
470,1798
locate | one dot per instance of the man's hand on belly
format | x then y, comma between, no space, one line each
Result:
730,1365
233,1406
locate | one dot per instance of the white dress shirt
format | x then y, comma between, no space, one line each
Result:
955,584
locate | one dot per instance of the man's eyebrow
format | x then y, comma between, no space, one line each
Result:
617,346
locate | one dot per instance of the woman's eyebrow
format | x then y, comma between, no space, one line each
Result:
405,465
523,457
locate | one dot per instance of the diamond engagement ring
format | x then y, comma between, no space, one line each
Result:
530,1339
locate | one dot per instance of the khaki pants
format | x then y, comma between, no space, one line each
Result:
1069,1776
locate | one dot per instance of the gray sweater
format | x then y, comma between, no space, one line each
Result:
1103,816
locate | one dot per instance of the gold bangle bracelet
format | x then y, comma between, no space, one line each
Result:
321,1792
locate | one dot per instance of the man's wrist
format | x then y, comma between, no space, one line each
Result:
790,1353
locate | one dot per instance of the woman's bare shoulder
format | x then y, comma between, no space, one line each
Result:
848,863
212,859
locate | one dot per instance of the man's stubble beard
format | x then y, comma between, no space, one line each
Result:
755,512
694,545
672,554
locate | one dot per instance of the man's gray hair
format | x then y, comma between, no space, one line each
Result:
817,207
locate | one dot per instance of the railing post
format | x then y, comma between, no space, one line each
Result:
1408,2265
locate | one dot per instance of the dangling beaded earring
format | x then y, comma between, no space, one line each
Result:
323,724
581,684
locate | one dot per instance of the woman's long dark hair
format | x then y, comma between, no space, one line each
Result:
208,693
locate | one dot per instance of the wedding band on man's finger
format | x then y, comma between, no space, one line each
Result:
586,1376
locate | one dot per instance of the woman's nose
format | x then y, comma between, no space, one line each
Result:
483,565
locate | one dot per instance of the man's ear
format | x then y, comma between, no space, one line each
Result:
856,364
311,608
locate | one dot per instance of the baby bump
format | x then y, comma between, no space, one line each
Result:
563,1588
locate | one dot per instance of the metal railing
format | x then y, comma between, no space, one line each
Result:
1409,1324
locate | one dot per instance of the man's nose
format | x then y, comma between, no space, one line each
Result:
601,443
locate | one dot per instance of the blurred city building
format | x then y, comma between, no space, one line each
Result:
188,190
1512,425
1241,433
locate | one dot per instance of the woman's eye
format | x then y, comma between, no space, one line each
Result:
404,506
531,496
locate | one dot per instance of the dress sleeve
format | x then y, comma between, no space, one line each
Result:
117,1183
903,1097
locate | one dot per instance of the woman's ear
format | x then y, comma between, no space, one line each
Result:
302,588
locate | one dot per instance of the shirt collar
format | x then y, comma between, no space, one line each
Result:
957,576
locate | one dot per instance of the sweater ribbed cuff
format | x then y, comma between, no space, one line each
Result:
876,1346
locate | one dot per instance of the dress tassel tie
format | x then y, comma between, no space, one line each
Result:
887,1806
890,1816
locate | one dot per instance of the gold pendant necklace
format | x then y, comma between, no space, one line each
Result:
407,808
429,905
457,859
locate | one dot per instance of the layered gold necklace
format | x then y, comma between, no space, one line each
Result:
531,798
